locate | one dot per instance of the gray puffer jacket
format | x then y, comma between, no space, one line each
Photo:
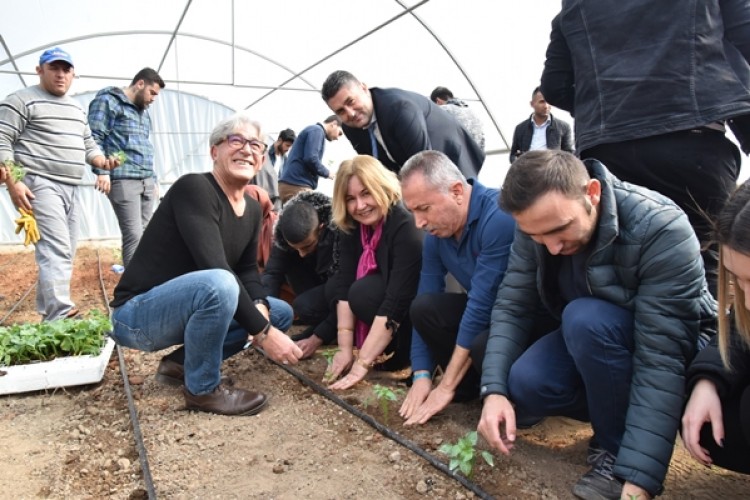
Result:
646,259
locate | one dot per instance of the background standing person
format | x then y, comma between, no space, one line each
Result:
393,125
378,272
46,131
268,176
651,87
120,121
194,280
461,112
716,423
305,162
541,130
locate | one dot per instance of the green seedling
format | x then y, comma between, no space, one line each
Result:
463,454
385,396
328,354
120,156
16,170
24,343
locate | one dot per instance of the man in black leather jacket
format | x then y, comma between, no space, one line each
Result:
651,86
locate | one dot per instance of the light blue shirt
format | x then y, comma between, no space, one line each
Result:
539,139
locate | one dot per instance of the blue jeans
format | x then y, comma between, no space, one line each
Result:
196,311
581,370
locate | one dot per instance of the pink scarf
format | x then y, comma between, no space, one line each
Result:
367,265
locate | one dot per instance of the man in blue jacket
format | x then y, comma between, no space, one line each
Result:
470,238
304,164
617,267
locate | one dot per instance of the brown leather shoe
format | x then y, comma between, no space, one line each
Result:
173,374
226,401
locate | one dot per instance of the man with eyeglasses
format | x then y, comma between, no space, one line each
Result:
304,164
194,282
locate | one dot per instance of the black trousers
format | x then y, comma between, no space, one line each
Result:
697,169
735,454
365,297
437,317
310,305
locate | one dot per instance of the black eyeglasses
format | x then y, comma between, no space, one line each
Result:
237,141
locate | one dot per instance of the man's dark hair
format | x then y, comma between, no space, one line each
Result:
537,90
441,93
335,82
536,173
287,135
333,118
297,221
149,76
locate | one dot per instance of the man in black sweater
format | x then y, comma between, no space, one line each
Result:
194,279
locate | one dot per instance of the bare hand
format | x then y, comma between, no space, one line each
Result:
309,345
342,361
112,162
280,348
20,195
357,373
439,398
633,492
496,414
704,406
417,394
103,183
4,174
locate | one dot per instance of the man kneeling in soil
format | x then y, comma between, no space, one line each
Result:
194,279
619,267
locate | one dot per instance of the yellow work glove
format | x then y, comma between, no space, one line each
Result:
27,222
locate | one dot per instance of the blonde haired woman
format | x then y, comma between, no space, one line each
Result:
379,264
716,423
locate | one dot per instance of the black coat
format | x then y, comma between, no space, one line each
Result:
410,123
559,136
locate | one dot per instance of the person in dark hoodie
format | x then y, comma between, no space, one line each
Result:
716,423
303,256
119,121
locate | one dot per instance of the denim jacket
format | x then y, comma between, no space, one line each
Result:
627,70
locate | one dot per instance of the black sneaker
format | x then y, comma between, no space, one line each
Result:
599,483
593,451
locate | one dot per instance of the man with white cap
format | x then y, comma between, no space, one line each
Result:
46,131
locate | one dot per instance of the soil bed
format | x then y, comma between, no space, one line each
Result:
78,443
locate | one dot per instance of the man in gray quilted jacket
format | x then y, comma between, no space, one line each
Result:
617,268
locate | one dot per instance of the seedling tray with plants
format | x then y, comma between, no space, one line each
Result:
54,354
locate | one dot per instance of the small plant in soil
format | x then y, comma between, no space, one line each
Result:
385,396
463,454
328,354
28,342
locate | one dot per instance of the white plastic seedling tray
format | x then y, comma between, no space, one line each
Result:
60,372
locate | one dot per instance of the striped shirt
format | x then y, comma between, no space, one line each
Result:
47,134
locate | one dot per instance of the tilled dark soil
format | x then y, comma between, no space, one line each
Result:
79,442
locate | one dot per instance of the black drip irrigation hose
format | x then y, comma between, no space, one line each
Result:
142,454
386,431
15,306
